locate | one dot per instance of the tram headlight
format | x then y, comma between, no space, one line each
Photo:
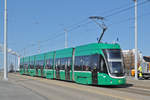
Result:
104,76
119,81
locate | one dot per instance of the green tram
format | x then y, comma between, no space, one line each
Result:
96,63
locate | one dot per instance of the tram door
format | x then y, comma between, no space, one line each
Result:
27,69
57,73
57,68
67,73
36,70
42,71
67,68
24,68
94,64
36,67
94,76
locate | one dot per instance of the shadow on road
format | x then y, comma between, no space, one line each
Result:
114,86
127,85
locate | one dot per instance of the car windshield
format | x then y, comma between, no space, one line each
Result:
116,68
114,53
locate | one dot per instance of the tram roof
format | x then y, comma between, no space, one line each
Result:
94,48
86,49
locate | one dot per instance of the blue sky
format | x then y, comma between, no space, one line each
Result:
30,21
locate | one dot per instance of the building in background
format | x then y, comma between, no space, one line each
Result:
12,59
129,56
146,67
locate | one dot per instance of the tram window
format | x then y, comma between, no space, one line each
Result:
112,53
41,63
81,62
47,63
25,64
69,60
31,64
36,63
51,63
78,63
103,68
94,61
58,63
65,64
86,63
63,60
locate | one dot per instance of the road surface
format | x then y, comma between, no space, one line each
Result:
48,89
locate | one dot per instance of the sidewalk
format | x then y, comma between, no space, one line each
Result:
10,91
139,83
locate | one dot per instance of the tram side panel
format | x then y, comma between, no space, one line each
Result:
84,68
32,66
63,64
49,65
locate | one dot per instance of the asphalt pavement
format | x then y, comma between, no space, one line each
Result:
22,87
140,83
10,91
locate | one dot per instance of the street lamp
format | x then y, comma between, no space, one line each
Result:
136,39
5,41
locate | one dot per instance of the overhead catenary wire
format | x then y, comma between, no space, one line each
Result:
76,26
82,23
129,19
60,34
125,9
119,22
